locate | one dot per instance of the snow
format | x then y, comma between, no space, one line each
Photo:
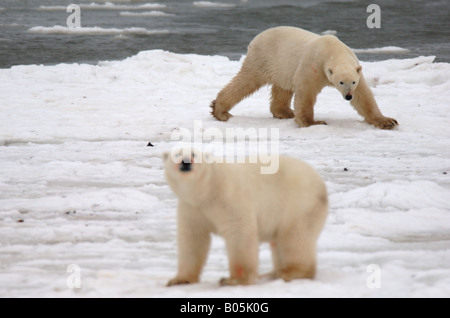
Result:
385,49
80,188
152,13
329,32
106,6
209,4
58,29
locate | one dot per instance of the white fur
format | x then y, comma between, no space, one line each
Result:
245,207
295,61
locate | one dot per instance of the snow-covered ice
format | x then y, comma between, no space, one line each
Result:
79,186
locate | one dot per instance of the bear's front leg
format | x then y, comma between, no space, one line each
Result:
365,104
304,109
193,246
242,247
307,84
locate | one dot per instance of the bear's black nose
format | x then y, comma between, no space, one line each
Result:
348,97
185,166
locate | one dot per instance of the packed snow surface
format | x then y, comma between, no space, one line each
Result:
85,209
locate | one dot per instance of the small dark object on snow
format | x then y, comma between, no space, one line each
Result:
149,144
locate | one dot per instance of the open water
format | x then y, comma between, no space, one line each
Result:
34,32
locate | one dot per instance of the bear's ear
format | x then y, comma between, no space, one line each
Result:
358,69
330,71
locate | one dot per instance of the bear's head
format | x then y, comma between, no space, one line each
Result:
345,78
187,172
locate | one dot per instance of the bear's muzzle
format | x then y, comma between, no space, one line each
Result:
185,166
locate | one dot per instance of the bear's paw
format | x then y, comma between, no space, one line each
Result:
220,115
385,122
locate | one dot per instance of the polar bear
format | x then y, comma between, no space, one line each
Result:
296,61
235,201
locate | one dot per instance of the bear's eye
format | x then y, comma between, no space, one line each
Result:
342,83
354,83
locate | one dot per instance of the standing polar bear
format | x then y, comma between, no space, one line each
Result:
296,61
234,200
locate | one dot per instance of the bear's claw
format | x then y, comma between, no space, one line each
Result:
222,116
385,123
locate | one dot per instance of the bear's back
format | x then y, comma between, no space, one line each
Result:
274,54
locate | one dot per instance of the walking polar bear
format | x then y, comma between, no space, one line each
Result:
235,201
296,61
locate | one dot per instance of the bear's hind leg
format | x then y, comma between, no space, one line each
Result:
295,255
280,104
299,267
241,86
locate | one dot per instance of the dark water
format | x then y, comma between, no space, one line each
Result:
422,27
